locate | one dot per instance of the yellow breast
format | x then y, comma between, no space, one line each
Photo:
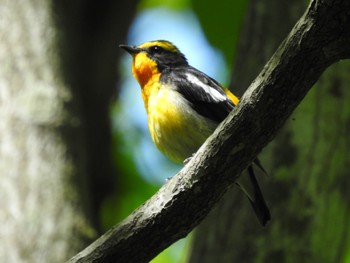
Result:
176,129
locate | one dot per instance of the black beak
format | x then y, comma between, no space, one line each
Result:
132,50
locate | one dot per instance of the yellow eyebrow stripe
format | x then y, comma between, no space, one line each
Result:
163,44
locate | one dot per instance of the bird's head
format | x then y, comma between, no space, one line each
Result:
153,57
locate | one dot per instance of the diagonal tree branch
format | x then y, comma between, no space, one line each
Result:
320,38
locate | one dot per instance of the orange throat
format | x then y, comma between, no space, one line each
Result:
146,73
143,68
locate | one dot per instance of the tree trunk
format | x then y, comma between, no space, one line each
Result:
41,216
89,36
308,163
57,76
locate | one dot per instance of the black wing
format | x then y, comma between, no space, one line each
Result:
204,93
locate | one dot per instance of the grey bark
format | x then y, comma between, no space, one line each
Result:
39,203
57,76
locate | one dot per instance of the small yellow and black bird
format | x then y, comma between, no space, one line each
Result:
184,107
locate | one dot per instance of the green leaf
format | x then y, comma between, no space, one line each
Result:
221,22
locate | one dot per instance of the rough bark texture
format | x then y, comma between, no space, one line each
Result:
320,38
57,75
232,222
260,37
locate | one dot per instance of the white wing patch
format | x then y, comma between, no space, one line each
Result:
217,96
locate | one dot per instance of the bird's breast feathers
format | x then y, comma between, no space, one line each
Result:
184,107
175,127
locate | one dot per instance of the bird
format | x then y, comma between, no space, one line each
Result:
184,106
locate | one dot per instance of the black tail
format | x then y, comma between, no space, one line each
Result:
257,201
252,190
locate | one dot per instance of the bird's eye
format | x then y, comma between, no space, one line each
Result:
156,49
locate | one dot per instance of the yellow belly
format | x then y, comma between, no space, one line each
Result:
176,129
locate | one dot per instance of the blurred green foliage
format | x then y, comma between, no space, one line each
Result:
310,179
321,137
221,22
132,189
